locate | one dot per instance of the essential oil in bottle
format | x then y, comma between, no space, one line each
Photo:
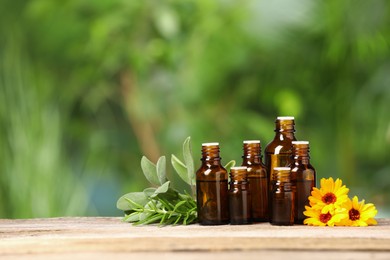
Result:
212,188
258,181
279,151
240,203
303,178
282,197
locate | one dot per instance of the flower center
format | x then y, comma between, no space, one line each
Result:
329,198
354,214
324,218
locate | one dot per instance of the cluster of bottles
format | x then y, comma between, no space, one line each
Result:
276,192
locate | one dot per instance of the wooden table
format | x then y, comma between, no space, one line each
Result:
101,238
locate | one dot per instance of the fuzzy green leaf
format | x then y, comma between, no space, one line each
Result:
180,168
150,171
149,219
161,170
133,217
170,196
229,165
189,160
163,188
137,197
149,191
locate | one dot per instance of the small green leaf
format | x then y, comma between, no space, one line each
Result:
163,188
229,165
163,219
189,160
161,170
133,217
150,171
149,220
177,220
178,205
170,196
137,197
180,168
149,191
144,215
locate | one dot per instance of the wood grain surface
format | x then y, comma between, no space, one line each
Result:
102,238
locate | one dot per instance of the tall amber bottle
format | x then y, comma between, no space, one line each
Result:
212,188
240,203
279,151
258,181
282,197
303,178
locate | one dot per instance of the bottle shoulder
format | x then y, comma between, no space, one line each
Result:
256,170
279,146
303,172
302,167
211,172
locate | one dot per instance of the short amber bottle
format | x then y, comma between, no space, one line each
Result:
240,203
212,188
282,197
303,178
258,181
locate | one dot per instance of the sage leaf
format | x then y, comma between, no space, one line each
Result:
163,188
161,170
189,160
162,204
149,191
150,171
229,165
148,220
171,195
137,197
180,168
133,217
144,215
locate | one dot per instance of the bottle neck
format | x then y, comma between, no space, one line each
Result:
282,175
251,160
210,154
252,152
285,129
301,159
284,135
238,175
282,182
301,153
210,162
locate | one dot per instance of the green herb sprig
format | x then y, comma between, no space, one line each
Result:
162,203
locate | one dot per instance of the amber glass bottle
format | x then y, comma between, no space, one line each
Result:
240,204
282,197
303,178
279,151
258,182
212,188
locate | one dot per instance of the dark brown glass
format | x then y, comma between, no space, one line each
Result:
212,188
303,178
240,203
258,181
279,151
282,198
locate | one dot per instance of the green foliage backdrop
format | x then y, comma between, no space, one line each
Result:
87,87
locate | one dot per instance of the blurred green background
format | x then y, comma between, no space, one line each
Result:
88,87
